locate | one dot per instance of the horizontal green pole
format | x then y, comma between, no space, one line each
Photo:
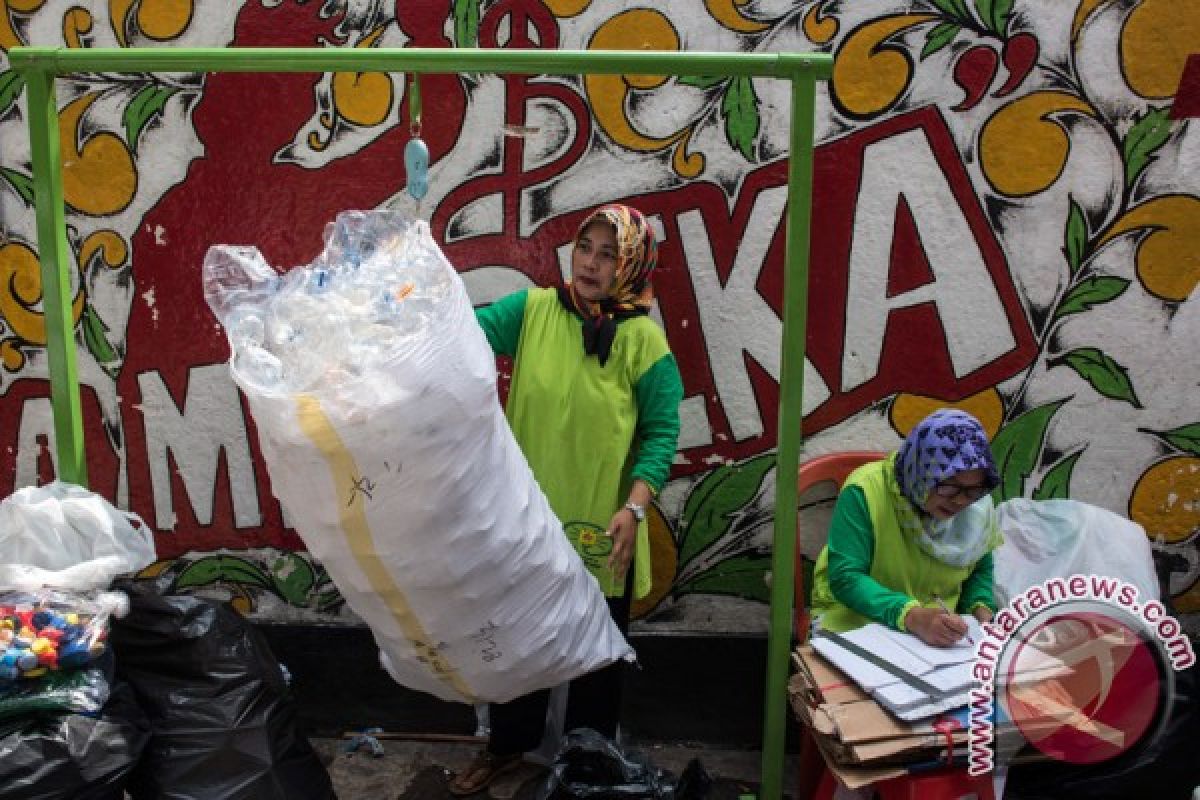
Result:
62,61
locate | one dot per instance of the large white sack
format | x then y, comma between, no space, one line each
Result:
1046,539
387,446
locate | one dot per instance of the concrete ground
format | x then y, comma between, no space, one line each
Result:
419,770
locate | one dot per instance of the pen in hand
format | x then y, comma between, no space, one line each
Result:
942,605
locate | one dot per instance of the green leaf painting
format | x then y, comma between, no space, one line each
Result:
96,340
222,569
714,502
995,15
21,183
739,107
1090,293
954,9
1148,134
1076,237
1105,375
1017,448
1186,439
938,37
11,84
1056,483
293,578
466,23
740,576
147,103
703,81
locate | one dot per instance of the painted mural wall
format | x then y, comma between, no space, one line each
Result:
1006,220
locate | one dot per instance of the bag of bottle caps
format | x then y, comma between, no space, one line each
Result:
49,641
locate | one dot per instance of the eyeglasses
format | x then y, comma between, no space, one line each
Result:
972,493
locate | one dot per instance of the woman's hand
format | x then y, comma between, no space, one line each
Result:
983,614
935,627
623,530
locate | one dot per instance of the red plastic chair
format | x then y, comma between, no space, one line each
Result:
834,467
942,784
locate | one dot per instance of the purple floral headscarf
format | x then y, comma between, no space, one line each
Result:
941,446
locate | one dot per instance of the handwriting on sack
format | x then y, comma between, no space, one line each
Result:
365,486
430,655
489,651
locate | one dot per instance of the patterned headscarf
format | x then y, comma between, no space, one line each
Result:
631,293
942,445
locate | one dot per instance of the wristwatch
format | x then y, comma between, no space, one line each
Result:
639,512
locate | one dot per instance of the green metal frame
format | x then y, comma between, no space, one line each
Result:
40,66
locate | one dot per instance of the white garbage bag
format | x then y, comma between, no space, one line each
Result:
374,393
66,537
1046,539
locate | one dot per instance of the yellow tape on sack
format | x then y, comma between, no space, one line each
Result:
353,518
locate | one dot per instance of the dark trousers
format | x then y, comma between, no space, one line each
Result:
593,700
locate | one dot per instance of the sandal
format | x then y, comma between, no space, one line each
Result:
482,772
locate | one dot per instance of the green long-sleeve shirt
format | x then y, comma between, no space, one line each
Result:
852,549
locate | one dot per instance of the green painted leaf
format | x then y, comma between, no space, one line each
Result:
938,37
1185,439
222,569
1017,448
1092,292
1105,375
998,19
96,340
739,107
466,23
742,576
1076,237
145,105
714,500
703,81
1148,134
22,183
1056,483
293,577
954,9
11,85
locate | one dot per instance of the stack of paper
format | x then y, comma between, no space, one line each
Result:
908,677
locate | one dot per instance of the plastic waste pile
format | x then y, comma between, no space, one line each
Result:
369,296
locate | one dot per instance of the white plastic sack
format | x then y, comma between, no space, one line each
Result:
374,393
64,536
1046,539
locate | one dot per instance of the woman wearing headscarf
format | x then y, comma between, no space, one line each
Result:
594,404
911,540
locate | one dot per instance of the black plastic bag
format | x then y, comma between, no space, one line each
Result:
73,756
223,723
590,767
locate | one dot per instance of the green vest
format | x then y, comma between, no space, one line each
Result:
576,423
897,563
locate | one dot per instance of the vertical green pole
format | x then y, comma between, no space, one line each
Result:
791,391
56,260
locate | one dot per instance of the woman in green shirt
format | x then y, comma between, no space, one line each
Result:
912,535
594,404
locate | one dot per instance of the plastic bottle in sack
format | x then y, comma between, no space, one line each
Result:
237,278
